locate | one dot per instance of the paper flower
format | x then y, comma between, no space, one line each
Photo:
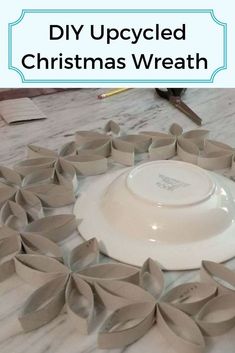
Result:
142,308
17,235
70,285
67,162
34,191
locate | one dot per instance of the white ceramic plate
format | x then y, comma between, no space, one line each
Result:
174,212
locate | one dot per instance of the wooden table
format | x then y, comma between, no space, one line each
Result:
67,112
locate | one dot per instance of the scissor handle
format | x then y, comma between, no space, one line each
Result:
175,92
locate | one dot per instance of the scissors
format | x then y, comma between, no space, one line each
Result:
173,95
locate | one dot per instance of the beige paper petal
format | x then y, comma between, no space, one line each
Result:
44,304
38,269
80,303
68,149
123,152
187,150
151,278
218,315
112,127
37,244
141,142
10,245
13,215
197,137
55,228
65,174
10,176
84,255
190,297
176,130
215,146
218,275
215,160
86,164
179,330
116,294
162,148
34,151
110,271
155,135
88,136
30,203
101,147
52,195
29,166
126,325
6,193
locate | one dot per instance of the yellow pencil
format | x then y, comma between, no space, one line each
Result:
112,93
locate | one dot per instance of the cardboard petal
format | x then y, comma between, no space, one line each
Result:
190,297
55,228
65,174
80,303
30,203
197,137
162,148
37,244
126,325
7,269
179,330
219,275
218,315
141,143
52,195
68,149
215,146
84,255
116,294
38,269
86,164
83,137
176,130
215,160
10,176
123,152
112,127
42,176
151,278
101,147
29,166
187,151
6,193
44,304
13,215
155,135
111,272
34,151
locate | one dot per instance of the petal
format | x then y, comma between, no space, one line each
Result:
140,142
179,330
29,166
215,160
218,315
80,303
6,193
126,325
37,244
215,146
44,304
190,297
39,152
65,174
10,176
68,149
164,148
38,269
41,176
84,255
14,216
30,203
52,195
101,147
187,150
151,278
112,127
219,275
197,137
123,152
110,271
116,294
86,164
176,130
83,137
55,228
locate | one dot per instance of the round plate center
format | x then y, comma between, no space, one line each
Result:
170,183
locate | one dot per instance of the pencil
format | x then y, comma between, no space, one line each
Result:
112,93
